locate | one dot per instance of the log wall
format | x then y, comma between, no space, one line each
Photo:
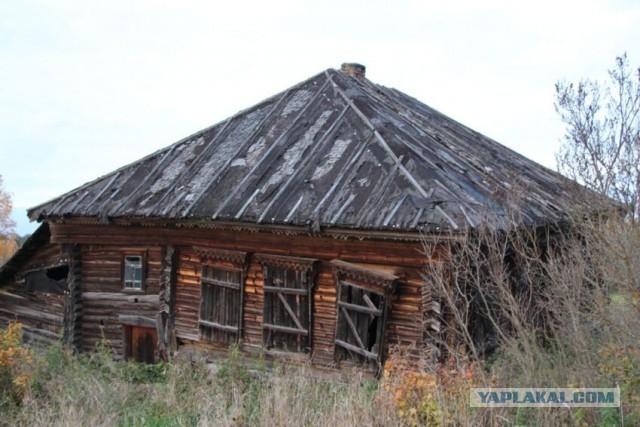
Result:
253,306
187,295
104,299
41,313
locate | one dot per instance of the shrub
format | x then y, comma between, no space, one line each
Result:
15,364
425,395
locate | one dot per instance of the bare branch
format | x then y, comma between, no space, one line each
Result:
601,148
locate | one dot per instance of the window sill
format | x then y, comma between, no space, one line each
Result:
133,291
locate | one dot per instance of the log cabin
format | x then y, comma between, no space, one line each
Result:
293,228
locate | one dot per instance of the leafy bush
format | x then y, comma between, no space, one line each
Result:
422,394
15,363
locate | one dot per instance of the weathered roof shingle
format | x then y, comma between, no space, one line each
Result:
336,151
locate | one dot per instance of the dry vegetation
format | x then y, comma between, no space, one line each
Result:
553,310
94,389
563,313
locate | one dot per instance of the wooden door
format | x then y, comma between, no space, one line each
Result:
141,344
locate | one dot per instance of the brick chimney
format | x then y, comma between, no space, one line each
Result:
353,69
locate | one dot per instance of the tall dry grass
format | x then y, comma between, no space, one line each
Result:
545,308
94,389
535,308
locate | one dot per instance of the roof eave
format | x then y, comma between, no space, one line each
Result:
284,229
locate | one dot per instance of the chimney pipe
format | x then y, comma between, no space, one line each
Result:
353,69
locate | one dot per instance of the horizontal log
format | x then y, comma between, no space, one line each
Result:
106,307
320,297
186,334
405,310
351,250
108,296
130,320
40,336
358,350
36,315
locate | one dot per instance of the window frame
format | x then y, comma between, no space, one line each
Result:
368,282
287,326
230,262
213,289
143,273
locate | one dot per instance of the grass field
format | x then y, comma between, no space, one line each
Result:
596,331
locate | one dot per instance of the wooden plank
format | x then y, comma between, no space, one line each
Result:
354,330
358,350
368,301
290,311
359,308
129,297
386,252
137,321
230,285
215,325
285,329
288,291
36,315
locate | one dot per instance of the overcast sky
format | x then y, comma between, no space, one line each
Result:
88,86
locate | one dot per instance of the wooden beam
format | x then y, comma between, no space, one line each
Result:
288,291
125,296
36,315
145,322
358,350
369,302
230,285
285,329
290,311
352,326
359,308
215,325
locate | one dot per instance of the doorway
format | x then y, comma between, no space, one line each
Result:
140,344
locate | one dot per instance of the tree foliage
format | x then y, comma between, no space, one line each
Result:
6,206
601,147
8,246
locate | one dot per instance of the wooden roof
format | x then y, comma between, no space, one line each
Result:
333,151
39,238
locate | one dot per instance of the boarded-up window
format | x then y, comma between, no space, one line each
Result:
133,276
360,323
221,304
287,302
286,309
363,303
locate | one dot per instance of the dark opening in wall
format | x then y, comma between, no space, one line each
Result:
50,280
58,273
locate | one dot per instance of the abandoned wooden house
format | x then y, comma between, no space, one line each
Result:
293,228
